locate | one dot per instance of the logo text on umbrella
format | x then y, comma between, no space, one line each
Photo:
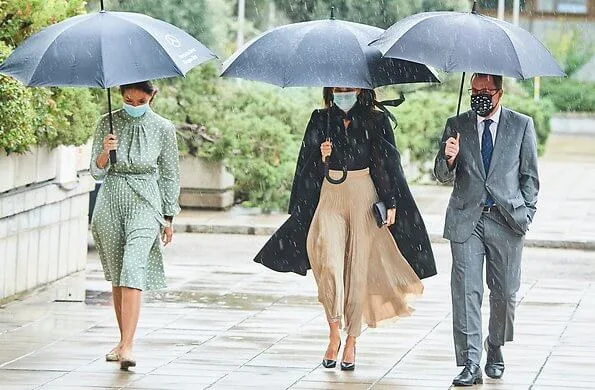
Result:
175,42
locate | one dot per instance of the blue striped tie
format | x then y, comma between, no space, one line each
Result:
487,147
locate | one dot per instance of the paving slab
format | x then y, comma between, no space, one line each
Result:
228,323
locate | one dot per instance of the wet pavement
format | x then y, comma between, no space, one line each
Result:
228,323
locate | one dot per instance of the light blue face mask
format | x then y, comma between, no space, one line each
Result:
136,111
345,100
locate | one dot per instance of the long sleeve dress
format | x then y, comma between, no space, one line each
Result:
137,192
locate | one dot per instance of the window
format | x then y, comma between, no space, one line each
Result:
563,6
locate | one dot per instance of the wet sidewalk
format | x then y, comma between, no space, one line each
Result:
228,323
565,217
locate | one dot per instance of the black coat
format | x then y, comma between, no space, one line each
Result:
286,249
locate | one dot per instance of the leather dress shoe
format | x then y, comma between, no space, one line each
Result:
494,367
471,375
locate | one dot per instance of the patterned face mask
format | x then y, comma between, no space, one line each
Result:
481,104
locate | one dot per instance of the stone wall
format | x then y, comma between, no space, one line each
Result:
43,225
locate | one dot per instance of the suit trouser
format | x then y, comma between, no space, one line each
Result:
494,240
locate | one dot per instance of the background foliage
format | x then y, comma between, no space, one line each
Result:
572,51
46,116
381,13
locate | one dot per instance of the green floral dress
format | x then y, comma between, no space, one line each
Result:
137,191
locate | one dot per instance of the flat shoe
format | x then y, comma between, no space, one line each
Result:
125,363
112,357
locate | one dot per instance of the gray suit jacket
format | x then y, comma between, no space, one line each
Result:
512,180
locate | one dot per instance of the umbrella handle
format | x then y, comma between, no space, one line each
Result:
112,153
326,160
329,178
460,98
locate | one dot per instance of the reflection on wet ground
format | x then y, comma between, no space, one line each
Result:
228,323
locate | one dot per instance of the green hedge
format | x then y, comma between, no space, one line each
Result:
40,116
541,112
568,94
257,130
17,114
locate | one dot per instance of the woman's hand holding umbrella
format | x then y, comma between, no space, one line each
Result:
326,148
110,142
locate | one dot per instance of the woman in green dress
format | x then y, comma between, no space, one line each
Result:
135,205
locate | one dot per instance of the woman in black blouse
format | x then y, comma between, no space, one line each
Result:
361,273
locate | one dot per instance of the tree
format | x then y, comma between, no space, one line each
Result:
191,16
380,13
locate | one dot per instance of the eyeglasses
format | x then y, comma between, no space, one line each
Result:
472,91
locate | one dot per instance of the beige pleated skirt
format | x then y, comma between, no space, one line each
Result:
360,272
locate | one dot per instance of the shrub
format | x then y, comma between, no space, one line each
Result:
70,117
541,112
17,113
421,122
568,94
254,128
30,116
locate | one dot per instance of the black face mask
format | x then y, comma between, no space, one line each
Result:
481,104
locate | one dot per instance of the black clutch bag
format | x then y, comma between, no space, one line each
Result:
380,213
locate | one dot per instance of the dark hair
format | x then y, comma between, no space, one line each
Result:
365,98
497,78
145,86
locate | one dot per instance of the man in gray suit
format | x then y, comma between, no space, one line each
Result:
491,154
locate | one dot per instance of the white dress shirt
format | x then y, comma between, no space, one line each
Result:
495,117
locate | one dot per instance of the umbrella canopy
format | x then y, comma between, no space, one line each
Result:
105,49
323,53
468,42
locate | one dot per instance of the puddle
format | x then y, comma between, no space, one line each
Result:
235,301
100,298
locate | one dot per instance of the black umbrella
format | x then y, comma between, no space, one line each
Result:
103,50
323,53
468,42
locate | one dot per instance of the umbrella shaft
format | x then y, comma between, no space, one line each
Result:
461,94
112,153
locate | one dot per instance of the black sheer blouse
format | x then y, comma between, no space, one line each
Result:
367,142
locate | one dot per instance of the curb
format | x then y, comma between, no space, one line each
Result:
435,238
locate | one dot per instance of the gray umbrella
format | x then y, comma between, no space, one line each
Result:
468,42
103,50
322,53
